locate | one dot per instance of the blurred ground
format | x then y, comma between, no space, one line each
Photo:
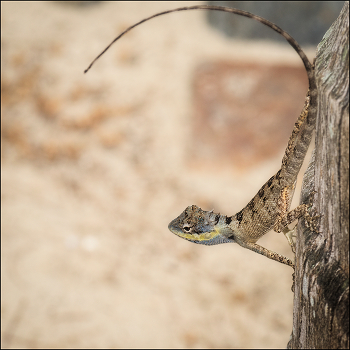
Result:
95,166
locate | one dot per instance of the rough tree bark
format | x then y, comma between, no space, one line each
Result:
321,298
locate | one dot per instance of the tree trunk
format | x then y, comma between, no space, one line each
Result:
321,298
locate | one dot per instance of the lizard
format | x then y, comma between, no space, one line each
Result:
270,207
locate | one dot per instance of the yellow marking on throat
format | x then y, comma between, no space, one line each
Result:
206,236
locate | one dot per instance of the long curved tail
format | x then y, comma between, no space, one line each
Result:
301,136
262,20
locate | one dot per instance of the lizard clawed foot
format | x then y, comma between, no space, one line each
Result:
312,221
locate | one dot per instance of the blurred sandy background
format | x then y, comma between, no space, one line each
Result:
95,166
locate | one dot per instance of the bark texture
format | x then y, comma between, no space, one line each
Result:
321,298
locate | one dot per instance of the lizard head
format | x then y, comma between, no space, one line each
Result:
199,226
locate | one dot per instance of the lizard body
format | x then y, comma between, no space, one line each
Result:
269,208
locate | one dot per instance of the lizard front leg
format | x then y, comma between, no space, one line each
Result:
297,213
285,218
266,252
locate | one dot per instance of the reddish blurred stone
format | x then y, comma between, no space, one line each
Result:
244,113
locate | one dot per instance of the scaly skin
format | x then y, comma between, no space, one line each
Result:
266,211
269,209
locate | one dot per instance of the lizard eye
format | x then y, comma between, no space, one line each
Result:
187,228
